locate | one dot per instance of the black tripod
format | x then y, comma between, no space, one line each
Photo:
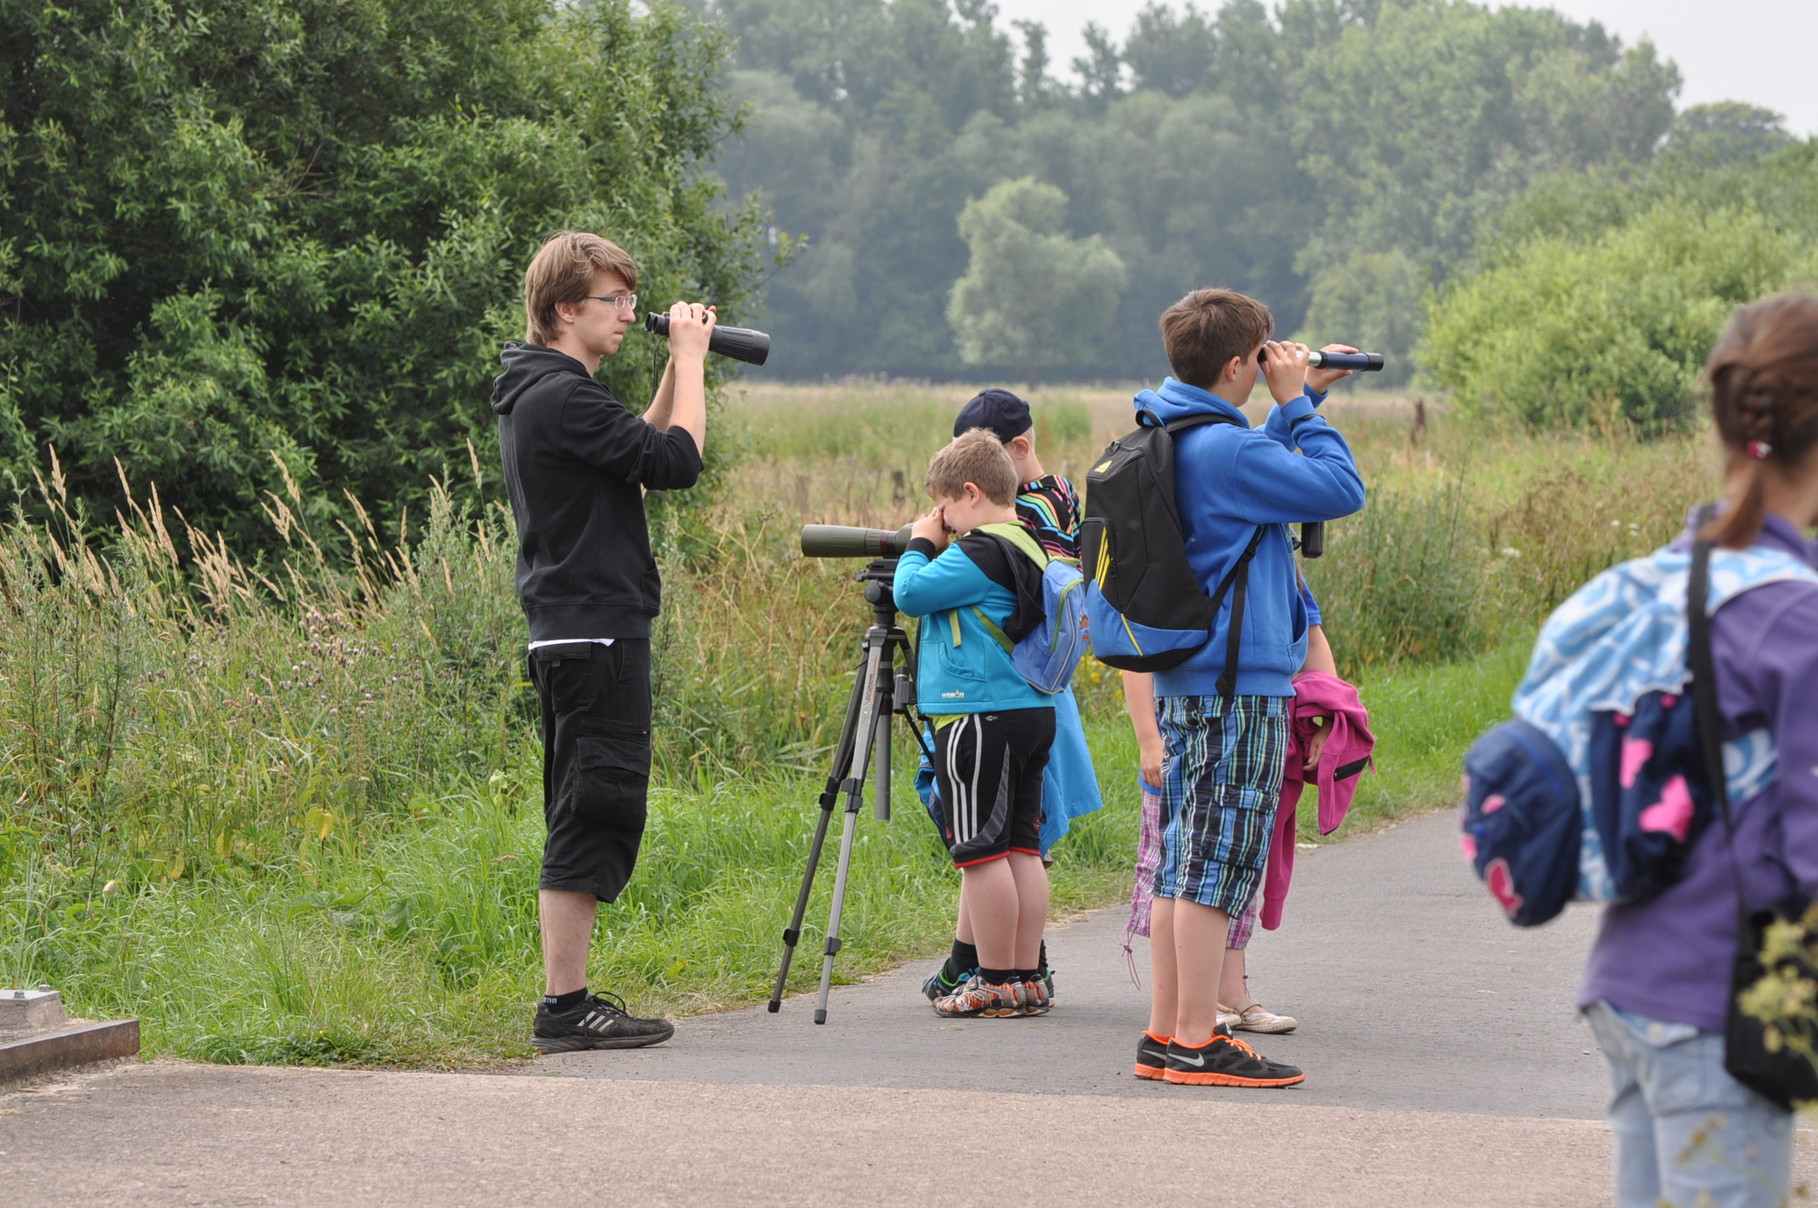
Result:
880,689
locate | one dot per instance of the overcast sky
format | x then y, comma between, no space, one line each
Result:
1759,51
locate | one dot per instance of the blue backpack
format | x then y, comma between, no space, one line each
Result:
1046,651
1597,789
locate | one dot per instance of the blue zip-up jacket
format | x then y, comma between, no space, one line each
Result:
960,667
1227,481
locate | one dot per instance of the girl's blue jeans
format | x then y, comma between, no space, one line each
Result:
1684,1132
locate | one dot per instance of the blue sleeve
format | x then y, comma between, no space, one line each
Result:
923,585
1278,486
1280,423
1306,598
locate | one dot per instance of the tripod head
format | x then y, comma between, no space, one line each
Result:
877,578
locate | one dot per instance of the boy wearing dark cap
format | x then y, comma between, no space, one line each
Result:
1048,506
1046,503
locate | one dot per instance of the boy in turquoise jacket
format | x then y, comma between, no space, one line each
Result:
993,729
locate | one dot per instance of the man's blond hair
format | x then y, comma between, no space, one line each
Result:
563,271
977,457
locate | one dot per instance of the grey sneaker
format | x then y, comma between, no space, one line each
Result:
596,1022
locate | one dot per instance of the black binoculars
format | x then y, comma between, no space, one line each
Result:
739,343
1363,362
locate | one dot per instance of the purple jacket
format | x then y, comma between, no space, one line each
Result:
1669,958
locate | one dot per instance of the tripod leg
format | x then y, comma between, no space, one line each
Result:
842,763
855,793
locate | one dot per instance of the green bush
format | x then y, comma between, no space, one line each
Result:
301,225
1612,330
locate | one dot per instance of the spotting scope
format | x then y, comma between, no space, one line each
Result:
844,541
739,343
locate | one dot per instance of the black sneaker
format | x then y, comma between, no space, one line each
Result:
937,986
596,1022
1226,1061
1151,1057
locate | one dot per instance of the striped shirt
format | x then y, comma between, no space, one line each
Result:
1049,508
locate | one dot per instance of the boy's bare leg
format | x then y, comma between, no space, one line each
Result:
1199,955
1164,979
567,920
962,930
1031,907
992,904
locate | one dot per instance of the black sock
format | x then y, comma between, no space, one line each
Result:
962,960
1041,965
997,977
1027,975
561,1002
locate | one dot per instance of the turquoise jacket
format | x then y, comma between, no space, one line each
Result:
960,667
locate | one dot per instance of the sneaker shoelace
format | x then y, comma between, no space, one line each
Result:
1243,1045
611,1002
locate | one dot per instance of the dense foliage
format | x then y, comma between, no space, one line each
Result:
241,241
1333,158
1601,293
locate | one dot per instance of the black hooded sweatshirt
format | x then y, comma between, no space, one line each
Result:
575,460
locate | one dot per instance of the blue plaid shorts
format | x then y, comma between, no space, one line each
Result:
1221,781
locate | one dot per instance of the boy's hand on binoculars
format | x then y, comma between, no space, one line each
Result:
690,327
1321,379
931,527
1285,365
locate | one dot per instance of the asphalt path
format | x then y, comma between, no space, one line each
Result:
1445,1067
1412,991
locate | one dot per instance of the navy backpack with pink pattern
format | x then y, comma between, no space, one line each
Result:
1597,789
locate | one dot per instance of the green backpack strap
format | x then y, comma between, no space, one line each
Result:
1018,536
1014,532
991,627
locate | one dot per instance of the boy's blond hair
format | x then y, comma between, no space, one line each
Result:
1205,329
977,457
563,271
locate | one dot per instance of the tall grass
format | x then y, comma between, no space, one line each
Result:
289,810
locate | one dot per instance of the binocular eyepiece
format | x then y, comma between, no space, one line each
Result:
845,541
1363,362
739,343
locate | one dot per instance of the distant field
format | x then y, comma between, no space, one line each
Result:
291,813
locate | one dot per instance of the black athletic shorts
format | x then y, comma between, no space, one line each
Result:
596,761
989,766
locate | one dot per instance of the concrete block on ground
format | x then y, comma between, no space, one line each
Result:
70,1045
23,1012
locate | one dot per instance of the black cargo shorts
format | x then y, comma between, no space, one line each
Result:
596,761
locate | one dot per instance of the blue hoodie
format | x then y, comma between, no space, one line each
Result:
1227,481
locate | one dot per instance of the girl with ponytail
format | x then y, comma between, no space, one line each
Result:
1656,989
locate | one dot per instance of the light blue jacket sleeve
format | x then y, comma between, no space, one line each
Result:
923,585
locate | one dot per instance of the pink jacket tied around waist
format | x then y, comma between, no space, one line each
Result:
1346,755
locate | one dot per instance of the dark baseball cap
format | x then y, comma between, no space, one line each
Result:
998,410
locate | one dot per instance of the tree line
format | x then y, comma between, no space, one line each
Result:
262,251
1336,158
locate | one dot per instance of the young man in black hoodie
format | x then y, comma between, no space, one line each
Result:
576,466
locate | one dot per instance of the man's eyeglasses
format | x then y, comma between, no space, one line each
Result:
622,301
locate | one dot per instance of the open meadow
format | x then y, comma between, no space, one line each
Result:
288,811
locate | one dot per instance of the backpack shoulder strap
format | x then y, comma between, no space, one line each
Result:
1016,534
1237,578
1175,427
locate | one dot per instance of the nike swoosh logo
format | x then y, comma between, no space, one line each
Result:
1198,1059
